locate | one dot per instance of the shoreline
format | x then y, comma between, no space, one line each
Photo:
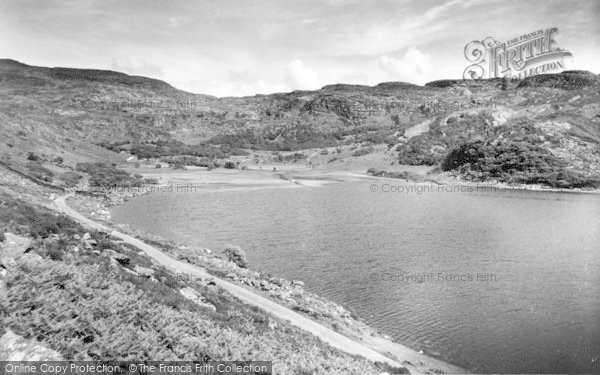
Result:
416,361
227,180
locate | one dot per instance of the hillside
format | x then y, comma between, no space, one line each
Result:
547,127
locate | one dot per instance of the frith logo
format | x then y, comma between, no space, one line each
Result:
527,55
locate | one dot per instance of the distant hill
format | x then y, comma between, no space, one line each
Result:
87,114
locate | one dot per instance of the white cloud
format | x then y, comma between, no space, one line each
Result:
392,35
173,22
414,66
136,66
299,77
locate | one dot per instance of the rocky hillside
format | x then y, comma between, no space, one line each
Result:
79,115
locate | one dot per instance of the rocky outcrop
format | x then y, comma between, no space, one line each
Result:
197,298
16,348
13,246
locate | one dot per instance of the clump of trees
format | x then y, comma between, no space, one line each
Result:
514,162
229,165
107,176
296,156
167,148
178,162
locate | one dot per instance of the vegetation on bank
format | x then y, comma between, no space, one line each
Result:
515,152
431,147
170,147
85,296
303,136
179,162
514,162
102,175
404,175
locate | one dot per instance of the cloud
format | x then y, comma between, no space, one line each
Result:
173,22
414,66
136,66
389,35
299,77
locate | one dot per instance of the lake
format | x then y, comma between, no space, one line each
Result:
492,281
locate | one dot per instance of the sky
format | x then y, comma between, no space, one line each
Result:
248,47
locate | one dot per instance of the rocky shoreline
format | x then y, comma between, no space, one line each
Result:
450,179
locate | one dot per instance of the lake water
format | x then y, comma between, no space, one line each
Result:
508,279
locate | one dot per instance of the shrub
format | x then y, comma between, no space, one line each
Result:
296,156
363,151
229,165
55,250
69,178
236,255
58,160
39,172
32,156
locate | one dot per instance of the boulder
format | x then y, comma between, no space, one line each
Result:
89,243
197,298
116,255
13,246
148,272
3,276
132,272
297,283
16,348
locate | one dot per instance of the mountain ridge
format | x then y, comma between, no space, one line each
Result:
87,114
